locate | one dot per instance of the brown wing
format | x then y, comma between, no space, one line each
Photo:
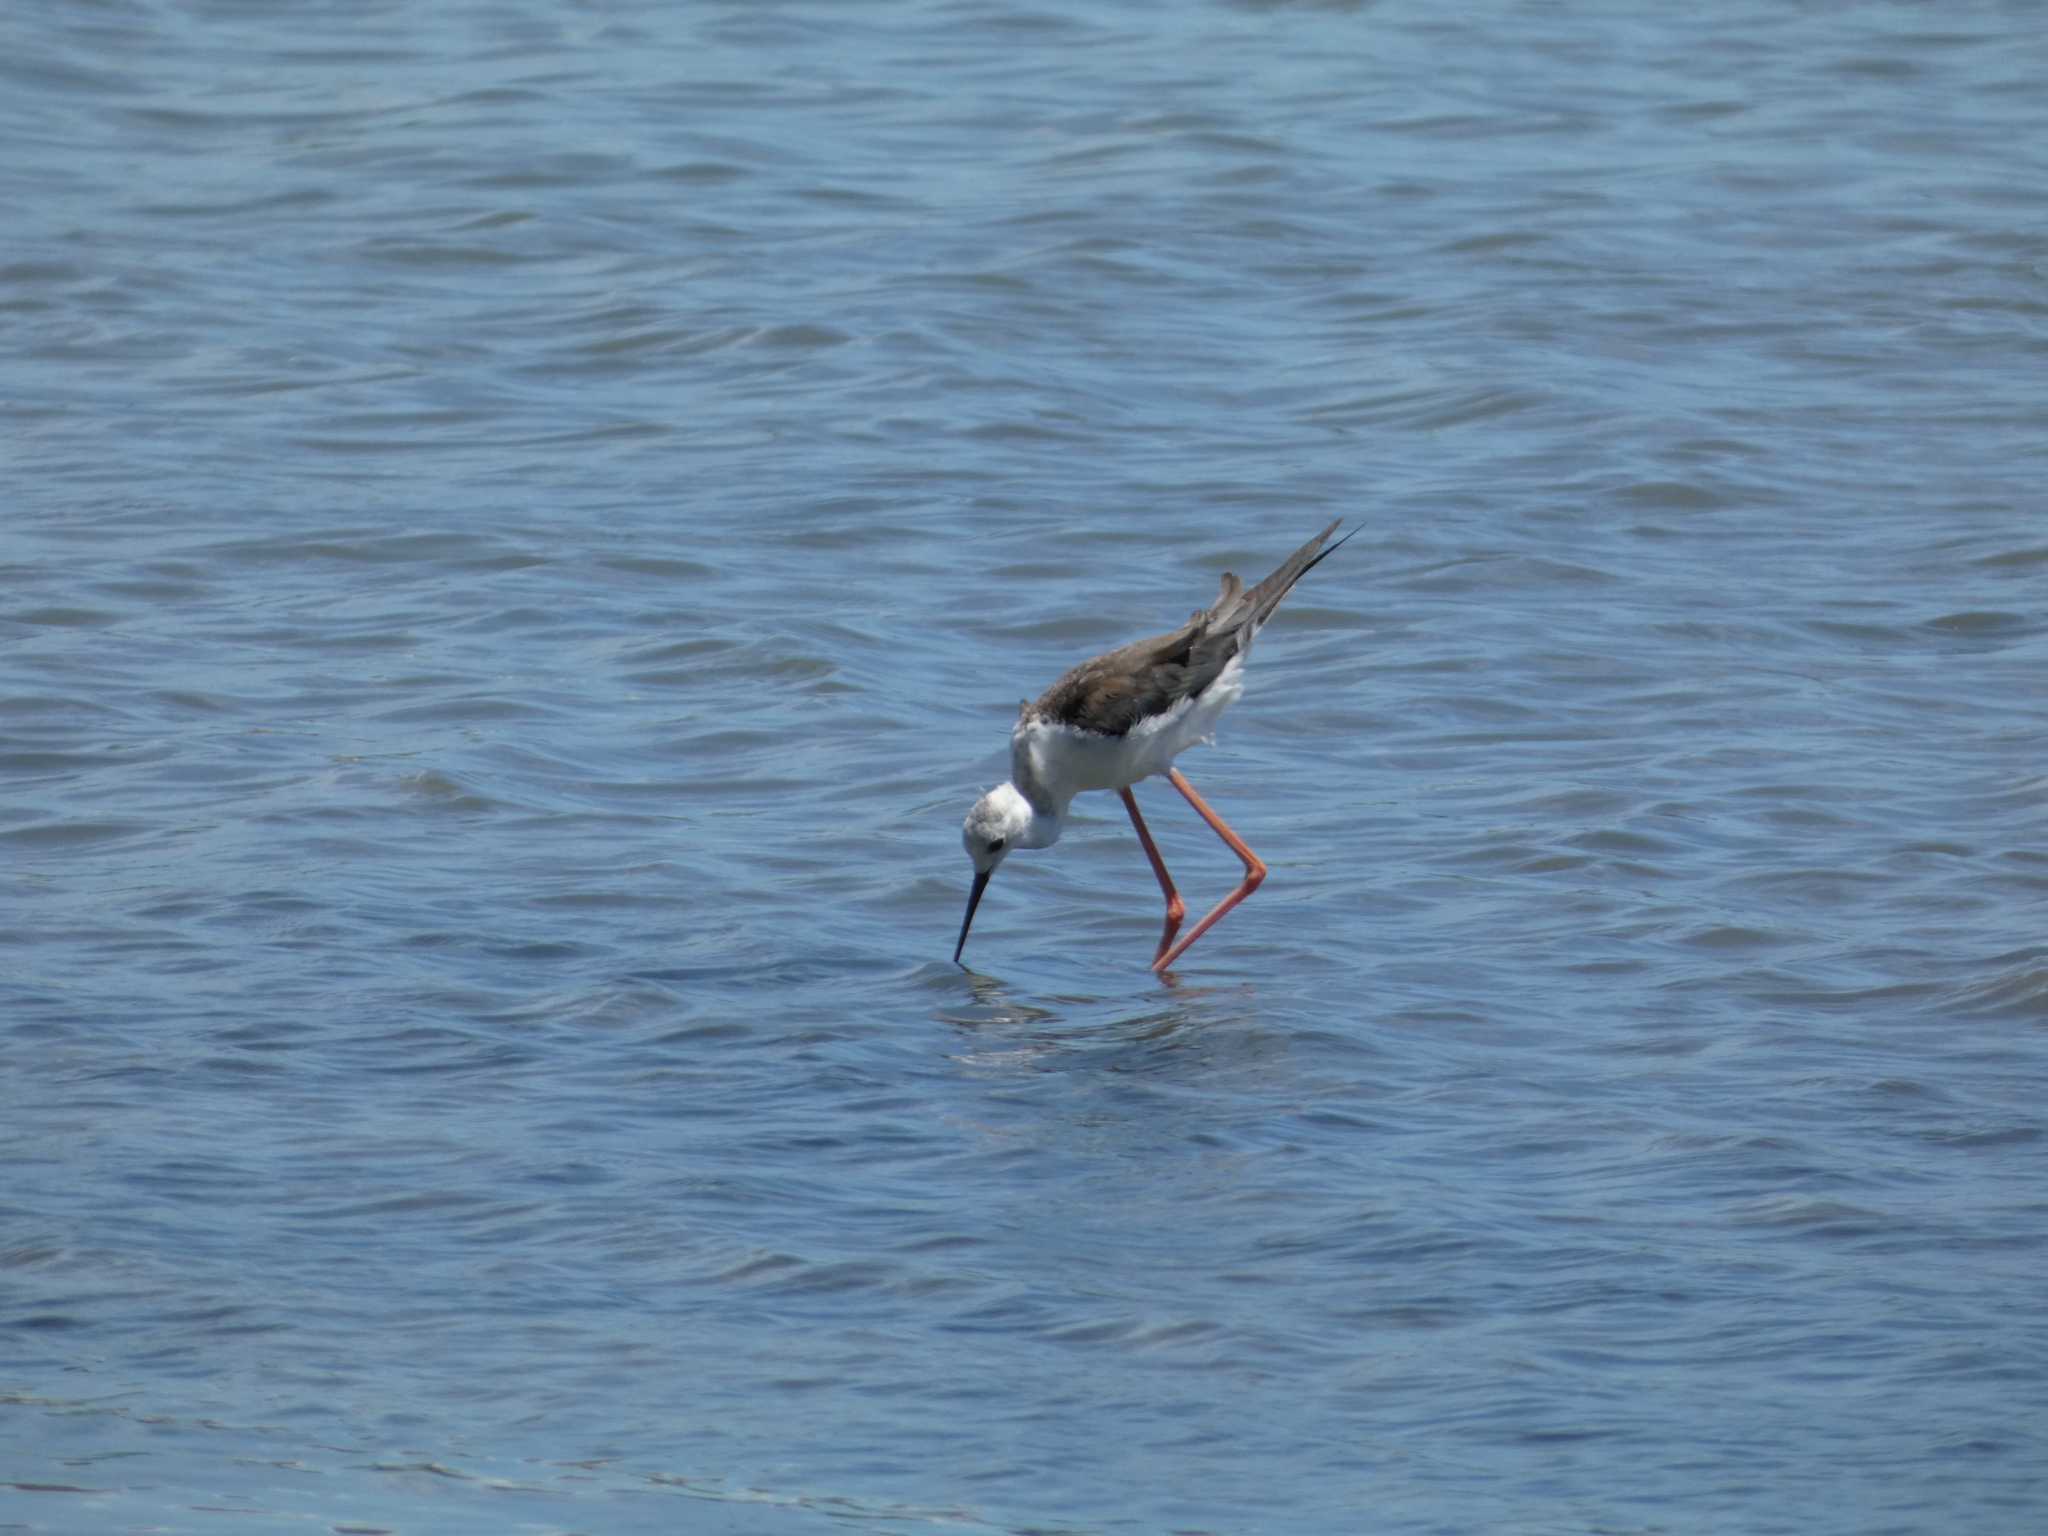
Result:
1113,692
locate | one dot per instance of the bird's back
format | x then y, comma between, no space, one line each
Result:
1118,691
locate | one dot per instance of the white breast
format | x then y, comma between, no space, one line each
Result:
1067,761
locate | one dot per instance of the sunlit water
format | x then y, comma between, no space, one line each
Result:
525,527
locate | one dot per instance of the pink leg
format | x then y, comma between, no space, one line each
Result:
1254,870
1175,908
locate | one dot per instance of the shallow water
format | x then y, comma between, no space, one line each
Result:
526,529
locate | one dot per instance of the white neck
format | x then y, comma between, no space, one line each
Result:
1047,822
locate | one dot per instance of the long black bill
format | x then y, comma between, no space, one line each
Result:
973,901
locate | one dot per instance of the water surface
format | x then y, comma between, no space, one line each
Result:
526,527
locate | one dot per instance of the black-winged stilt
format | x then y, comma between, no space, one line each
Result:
1125,716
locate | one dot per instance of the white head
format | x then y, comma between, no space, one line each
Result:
1000,820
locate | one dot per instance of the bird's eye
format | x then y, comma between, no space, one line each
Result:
996,846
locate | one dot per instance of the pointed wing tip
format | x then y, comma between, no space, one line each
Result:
1323,538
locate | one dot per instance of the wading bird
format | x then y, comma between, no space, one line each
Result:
1125,716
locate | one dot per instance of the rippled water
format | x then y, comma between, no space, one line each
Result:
525,527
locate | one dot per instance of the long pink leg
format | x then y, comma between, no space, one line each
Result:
1175,908
1254,869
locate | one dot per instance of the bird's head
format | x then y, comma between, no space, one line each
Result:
998,821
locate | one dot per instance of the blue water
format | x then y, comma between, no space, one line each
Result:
526,526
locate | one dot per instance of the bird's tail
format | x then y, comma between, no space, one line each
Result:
1250,609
